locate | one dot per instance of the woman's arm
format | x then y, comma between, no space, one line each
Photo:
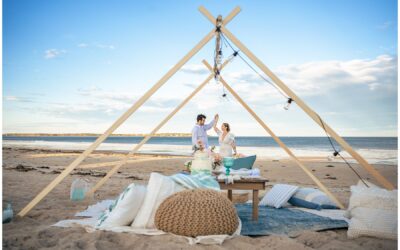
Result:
233,144
215,126
217,130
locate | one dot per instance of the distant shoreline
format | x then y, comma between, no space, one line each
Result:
96,135
164,135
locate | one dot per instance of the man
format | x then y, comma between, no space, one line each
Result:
199,131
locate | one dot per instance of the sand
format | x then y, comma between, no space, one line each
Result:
27,171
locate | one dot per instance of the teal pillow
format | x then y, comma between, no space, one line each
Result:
244,162
311,198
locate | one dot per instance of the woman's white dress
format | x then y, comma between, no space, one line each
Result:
225,144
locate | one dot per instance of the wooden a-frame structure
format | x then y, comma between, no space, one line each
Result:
117,164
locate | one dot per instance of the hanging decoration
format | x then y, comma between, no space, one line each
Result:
289,101
218,49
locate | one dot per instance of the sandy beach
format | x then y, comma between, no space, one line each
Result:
27,171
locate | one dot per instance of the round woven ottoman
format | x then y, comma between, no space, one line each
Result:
197,212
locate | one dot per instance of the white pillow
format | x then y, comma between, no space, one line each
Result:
373,212
278,195
125,207
159,188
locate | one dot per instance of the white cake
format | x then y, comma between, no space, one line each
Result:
201,162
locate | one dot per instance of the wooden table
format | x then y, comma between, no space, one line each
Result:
246,184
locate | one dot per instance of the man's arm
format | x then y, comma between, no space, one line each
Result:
194,135
209,126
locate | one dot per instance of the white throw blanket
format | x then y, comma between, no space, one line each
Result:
158,189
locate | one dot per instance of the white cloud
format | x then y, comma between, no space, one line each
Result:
53,53
18,99
197,69
312,78
384,25
190,85
315,78
105,46
326,75
111,101
11,98
97,45
100,94
83,45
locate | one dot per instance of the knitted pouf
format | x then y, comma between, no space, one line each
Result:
197,212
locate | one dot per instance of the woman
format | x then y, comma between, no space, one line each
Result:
226,140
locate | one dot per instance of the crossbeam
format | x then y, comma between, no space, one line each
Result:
124,117
382,180
277,139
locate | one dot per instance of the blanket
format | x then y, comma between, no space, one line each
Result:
286,221
196,180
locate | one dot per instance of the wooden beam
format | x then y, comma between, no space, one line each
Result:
154,131
117,123
382,180
226,20
280,143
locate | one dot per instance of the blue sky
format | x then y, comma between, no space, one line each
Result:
76,66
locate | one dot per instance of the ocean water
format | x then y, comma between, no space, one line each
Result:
381,150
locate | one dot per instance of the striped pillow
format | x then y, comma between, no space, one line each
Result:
278,195
312,198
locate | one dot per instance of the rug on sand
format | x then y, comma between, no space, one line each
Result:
283,221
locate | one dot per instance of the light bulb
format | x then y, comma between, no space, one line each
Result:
217,78
332,157
289,101
219,58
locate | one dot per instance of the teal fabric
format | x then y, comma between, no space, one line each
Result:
282,221
244,162
198,179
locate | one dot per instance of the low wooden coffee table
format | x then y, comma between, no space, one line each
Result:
246,184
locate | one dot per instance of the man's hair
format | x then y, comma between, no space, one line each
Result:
200,117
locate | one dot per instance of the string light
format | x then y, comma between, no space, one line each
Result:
333,156
289,101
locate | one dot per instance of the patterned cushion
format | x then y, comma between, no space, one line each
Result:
372,212
311,198
125,207
278,195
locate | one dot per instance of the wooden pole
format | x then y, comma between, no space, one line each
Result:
382,180
125,116
281,144
154,131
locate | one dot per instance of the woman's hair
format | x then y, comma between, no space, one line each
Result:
226,125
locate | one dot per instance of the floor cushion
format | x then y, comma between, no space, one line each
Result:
311,198
278,195
197,212
372,212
